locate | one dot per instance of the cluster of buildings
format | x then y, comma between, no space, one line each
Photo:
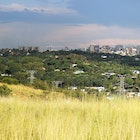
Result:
118,49
28,48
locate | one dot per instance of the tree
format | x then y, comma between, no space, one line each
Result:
21,77
4,90
129,82
40,84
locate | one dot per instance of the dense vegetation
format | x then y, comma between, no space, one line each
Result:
63,65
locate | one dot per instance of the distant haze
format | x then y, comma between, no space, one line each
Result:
68,23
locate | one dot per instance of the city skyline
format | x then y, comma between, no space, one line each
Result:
70,23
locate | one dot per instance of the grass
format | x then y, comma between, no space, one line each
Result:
23,91
68,119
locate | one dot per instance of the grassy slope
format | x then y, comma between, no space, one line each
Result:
69,120
23,91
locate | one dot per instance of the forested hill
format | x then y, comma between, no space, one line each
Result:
71,68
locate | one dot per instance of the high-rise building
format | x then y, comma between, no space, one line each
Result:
93,48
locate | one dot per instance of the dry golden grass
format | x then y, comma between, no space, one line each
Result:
20,90
23,91
58,118
69,119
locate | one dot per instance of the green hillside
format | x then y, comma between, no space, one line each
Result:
68,69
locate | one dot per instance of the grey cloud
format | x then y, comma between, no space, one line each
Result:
60,35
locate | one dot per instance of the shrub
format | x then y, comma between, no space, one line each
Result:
74,94
9,80
40,84
4,90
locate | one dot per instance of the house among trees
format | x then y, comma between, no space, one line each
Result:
78,72
7,73
136,72
74,65
58,83
73,88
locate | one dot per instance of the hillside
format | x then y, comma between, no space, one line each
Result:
67,69
25,92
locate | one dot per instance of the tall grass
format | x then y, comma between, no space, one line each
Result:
69,119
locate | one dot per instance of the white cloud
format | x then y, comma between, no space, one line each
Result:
11,8
99,34
18,34
53,9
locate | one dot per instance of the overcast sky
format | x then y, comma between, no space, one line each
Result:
71,23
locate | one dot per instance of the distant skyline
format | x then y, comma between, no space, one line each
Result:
68,23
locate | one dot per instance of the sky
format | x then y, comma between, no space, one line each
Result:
69,23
